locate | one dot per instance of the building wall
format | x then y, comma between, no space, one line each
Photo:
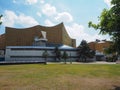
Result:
2,41
27,54
74,42
92,45
25,36
21,37
66,38
99,46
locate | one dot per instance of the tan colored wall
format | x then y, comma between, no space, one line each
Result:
25,36
74,42
92,45
2,41
65,37
21,37
99,46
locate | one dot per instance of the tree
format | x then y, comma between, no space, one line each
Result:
45,55
84,51
0,19
109,50
110,54
57,54
65,56
109,23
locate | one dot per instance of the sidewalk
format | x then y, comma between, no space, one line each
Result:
96,62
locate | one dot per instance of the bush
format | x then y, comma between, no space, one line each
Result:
111,59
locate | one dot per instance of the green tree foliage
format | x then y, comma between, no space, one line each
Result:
57,54
65,56
84,51
45,55
109,23
109,50
0,19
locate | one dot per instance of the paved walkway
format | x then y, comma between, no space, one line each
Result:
97,62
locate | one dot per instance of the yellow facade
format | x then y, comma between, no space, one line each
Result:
99,46
25,36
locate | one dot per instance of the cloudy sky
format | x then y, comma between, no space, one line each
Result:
75,14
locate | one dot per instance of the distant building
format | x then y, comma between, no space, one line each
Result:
99,46
36,36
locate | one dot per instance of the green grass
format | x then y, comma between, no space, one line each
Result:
59,77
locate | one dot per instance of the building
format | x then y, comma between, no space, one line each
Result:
25,54
99,46
2,41
28,44
56,35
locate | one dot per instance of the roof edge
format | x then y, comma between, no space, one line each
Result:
60,24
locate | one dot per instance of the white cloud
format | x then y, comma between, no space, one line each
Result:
14,1
49,10
26,20
39,14
64,17
48,22
90,38
31,2
11,19
42,1
77,32
108,2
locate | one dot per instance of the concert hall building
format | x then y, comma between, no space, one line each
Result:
36,36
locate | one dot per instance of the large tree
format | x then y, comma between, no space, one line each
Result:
57,54
65,56
84,51
45,55
109,23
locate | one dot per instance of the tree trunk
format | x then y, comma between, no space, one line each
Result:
65,61
45,60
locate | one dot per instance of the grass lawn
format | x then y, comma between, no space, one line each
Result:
60,77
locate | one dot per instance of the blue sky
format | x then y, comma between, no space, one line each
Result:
74,13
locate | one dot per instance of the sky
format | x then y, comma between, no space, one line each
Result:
75,14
